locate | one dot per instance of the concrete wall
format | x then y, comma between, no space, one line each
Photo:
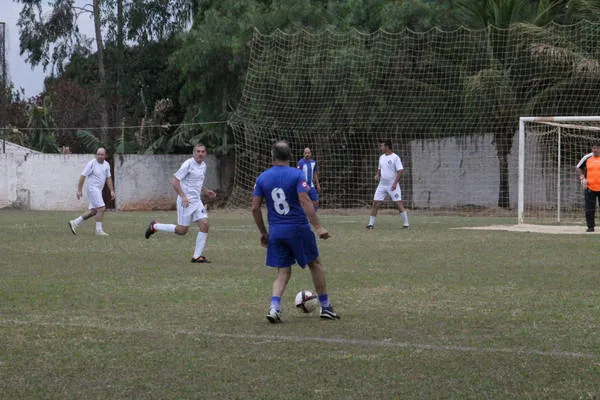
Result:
8,178
49,181
144,182
446,173
455,171
464,171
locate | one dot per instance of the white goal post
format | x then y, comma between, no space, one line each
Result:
549,149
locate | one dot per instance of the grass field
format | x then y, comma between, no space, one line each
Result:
430,313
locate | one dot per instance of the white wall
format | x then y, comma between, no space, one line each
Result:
458,171
49,181
447,172
8,177
144,182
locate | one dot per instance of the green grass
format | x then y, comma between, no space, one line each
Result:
431,313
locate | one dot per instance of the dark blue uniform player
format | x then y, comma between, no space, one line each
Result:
311,173
289,239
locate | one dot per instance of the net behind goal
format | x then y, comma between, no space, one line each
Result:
549,150
449,101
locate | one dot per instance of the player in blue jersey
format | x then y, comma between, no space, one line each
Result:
311,174
289,238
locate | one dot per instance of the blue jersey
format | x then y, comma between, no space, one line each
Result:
308,167
280,185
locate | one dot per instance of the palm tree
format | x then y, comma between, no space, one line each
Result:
497,93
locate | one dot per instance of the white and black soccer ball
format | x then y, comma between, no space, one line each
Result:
306,301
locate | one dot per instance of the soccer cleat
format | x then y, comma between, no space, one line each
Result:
406,226
102,233
590,230
328,313
73,227
200,259
150,231
274,316
369,227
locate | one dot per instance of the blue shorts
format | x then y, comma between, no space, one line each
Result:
289,244
313,194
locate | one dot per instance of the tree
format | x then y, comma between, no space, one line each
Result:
52,40
499,94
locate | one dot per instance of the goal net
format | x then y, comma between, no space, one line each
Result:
449,102
549,151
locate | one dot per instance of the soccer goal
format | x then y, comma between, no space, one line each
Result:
549,150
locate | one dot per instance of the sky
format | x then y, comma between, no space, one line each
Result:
20,73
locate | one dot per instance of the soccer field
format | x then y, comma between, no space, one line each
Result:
428,313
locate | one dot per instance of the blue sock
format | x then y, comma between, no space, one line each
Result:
276,302
324,300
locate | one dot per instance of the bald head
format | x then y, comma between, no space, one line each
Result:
100,155
307,153
281,151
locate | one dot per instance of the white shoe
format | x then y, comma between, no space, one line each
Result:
274,316
102,233
73,227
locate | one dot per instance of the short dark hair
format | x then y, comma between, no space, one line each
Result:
595,143
281,151
387,143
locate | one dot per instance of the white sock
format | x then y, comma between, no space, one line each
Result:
404,216
165,227
372,220
98,226
78,220
200,243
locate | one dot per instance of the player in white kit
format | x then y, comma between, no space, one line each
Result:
188,182
388,174
97,173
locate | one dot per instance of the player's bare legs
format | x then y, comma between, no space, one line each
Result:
281,281
403,213
201,241
374,209
89,214
318,275
99,220
92,212
100,214
181,230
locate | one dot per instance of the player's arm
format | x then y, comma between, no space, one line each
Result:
378,175
258,219
398,175
111,187
80,186
309,210
177,186
316,179
581,176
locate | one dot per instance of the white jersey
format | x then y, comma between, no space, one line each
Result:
389,165
191,175
96,174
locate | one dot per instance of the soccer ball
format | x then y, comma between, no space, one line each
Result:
306,301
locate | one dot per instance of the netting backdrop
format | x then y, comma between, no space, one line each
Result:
3,53
449,101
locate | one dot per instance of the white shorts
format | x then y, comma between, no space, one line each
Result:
192,213
95,198
382,191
